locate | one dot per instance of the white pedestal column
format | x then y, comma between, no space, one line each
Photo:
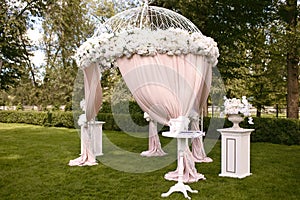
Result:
95,130
235,149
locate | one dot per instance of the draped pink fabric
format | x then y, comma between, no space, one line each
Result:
87,157
190,173
92,91
167,87
198,151
154,147
93,101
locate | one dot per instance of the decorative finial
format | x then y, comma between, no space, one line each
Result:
147,2
145,8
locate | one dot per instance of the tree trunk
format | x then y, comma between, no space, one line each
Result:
0,66
292,87
292,62
258,110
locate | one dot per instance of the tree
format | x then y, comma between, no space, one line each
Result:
15,47
67,25
290,14
264,80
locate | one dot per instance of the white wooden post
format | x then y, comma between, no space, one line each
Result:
96,137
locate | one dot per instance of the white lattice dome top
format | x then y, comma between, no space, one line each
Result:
147,31
147,17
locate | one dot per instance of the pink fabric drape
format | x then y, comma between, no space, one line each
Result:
92,91
154,147
87,157
93,101
190,173
198,151
166,87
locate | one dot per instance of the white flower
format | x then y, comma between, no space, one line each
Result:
107,47
250,120
147,117
237,106
82,104
82,120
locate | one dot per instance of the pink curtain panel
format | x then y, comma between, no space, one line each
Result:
167,87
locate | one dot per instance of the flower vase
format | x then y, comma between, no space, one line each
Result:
235,119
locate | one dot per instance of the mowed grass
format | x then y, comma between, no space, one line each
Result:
34,165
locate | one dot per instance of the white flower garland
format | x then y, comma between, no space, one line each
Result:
106,48
238,106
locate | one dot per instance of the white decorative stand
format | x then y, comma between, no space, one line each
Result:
182,145
95,129
235,147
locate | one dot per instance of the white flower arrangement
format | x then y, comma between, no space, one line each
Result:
82,121
82,104
107,47
238,106
147,117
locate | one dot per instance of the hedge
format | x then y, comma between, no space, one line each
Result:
279,131
58,119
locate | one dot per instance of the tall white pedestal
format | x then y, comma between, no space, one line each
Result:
95,131
235,149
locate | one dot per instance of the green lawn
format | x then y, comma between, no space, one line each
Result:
33,165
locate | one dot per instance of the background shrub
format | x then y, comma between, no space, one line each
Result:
28,117
279,131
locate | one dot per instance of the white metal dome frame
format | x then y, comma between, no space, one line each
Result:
146,17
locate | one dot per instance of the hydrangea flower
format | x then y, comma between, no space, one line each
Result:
237,106
107,47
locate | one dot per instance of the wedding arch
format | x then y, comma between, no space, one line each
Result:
165,61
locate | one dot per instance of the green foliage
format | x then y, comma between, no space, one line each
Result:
66,25
105,107
60,119
19,107
123,122
27,117
279,131
15,47
68,106
126,107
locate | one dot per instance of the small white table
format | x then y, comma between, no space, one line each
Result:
96,137
235,149
182,144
